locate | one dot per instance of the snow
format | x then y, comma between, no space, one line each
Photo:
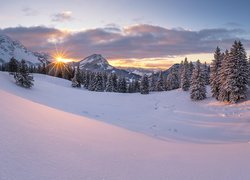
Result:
53,131
10,48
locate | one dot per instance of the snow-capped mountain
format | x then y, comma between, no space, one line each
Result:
141,71
10,48
97,63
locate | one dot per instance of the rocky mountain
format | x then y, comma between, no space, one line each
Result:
97,63
10,48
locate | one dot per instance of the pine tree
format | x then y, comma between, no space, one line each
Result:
122,85
198,87
13,66
76,80
144,84
223,93
92,83
237,74
172,81
207,73
131,87
153,83
114,82
98,82
22,77
109,84
137,86
185,83
160,83
214,76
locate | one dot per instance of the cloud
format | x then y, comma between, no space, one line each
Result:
62,16
138,41
29,11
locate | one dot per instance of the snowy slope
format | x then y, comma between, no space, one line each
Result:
39,140
10,48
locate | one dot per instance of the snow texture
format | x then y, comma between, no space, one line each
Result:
57,132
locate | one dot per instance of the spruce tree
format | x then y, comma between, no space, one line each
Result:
153,83
160,83
236,69
223,75
122,85
144,84
185,83
172,81
109,84
22,77
214,77
136,86
13,66
98,82
207,73
76,80
198,87
114,82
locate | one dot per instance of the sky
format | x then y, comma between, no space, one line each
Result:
142,33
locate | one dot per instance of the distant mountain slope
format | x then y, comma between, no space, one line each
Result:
97,63
10,48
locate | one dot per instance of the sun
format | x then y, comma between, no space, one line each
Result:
61,56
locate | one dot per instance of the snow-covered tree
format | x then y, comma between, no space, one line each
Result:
185,83
172,81
114,82
153,83
122,85
13,66
198,87
222,77
214,75
207,73
98,85
22,77
76,80
144,84
237,73
136,86
160,83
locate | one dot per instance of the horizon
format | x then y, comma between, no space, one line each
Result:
133,37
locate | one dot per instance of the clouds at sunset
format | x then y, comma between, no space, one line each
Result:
137,41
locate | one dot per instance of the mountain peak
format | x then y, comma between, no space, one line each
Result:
11,48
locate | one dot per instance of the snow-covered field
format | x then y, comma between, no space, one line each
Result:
53,131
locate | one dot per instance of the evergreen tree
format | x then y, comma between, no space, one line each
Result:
144,84
22,77
172,81
237,73
198,87
214,77
131,87
153,83
122,85
160,83
191,68
76,80
92,83
136,86
98,82
13,66
185,84
104,79
114,82
109,84
223,93
207,73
